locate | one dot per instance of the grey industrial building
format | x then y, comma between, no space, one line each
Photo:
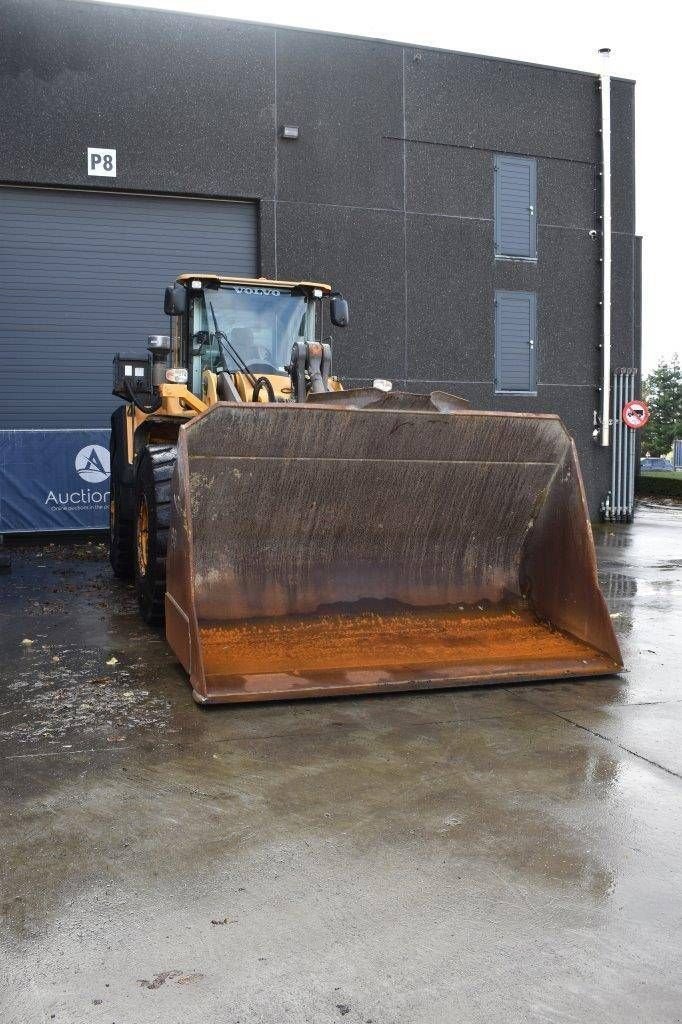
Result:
454,199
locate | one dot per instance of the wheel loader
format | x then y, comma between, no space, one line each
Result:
302,540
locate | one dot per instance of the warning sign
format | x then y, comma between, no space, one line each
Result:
635,414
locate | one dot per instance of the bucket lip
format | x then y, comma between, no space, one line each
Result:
286,408
222,691
311,408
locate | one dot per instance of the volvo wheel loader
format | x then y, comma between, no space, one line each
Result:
304,540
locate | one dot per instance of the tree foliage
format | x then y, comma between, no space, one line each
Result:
662,390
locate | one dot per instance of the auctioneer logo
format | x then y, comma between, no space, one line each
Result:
92,463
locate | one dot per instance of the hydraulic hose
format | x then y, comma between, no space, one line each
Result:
148,409
263,382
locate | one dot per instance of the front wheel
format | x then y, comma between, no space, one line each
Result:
152,520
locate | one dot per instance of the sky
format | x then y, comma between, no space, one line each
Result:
644,39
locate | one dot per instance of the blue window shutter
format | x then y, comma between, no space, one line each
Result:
515,206
515,341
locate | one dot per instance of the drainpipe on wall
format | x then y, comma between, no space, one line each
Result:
605,83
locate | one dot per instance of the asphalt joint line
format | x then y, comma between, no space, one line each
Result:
601,736
593,732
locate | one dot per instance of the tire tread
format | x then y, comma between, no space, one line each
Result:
122,537
152,600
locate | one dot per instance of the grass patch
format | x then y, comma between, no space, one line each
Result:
663,485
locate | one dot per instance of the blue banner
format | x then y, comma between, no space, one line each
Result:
53,480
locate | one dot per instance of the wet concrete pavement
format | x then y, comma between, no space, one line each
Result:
498,854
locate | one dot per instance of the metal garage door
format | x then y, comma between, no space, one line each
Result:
82,277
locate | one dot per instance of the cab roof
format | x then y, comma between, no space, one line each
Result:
265,281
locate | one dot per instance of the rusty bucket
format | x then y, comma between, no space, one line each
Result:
349,546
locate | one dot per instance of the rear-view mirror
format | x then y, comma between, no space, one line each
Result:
175,300
338,311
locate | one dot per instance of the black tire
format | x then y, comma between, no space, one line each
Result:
152,520
121,533
121,520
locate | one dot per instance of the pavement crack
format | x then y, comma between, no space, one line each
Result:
609,739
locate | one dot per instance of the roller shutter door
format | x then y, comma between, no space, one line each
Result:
83,277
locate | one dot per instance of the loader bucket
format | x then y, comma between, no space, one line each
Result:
402,543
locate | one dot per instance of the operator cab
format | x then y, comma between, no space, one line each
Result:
245,326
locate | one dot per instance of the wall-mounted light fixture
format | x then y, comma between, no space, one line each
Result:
289,131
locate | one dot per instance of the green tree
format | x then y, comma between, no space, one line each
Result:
662,390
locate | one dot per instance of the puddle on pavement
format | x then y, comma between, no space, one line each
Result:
617,585
63,618
58,693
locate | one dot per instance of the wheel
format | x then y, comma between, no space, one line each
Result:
120,534
152,520
121,509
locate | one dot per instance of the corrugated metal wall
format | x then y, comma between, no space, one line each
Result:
82,277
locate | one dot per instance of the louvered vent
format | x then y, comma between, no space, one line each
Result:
515,207
515,322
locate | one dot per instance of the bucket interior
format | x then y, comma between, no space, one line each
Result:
349,652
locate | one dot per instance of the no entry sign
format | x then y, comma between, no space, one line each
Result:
635,414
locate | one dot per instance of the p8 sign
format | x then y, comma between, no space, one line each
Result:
102,162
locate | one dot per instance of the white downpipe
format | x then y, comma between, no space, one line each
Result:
605,80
